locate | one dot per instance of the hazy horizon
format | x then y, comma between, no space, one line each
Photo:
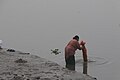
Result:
41,25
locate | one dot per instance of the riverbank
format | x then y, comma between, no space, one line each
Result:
17,65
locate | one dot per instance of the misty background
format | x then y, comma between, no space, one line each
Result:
37,26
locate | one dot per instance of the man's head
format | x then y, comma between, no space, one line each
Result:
76,37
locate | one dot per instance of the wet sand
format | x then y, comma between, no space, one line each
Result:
16,65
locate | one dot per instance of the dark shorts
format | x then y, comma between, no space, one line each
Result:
70,62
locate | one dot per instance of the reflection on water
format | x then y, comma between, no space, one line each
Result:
85,69
92,62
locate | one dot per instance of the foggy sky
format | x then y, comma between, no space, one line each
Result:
40,25
53,21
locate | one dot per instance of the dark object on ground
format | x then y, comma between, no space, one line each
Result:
21,61
24,53
1,47
37,78
11,50
17,78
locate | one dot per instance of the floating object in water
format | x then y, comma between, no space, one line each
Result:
55,51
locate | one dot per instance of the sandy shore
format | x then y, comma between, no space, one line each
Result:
16,65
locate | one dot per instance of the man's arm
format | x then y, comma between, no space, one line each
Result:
84,51
78,46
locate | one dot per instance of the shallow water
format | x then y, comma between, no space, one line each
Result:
92,60
41,25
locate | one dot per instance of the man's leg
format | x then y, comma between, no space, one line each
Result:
70,63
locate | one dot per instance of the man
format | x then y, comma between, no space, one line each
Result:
70,49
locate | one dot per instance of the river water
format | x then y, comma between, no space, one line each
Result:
37,26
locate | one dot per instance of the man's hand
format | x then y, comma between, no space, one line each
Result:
82,43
